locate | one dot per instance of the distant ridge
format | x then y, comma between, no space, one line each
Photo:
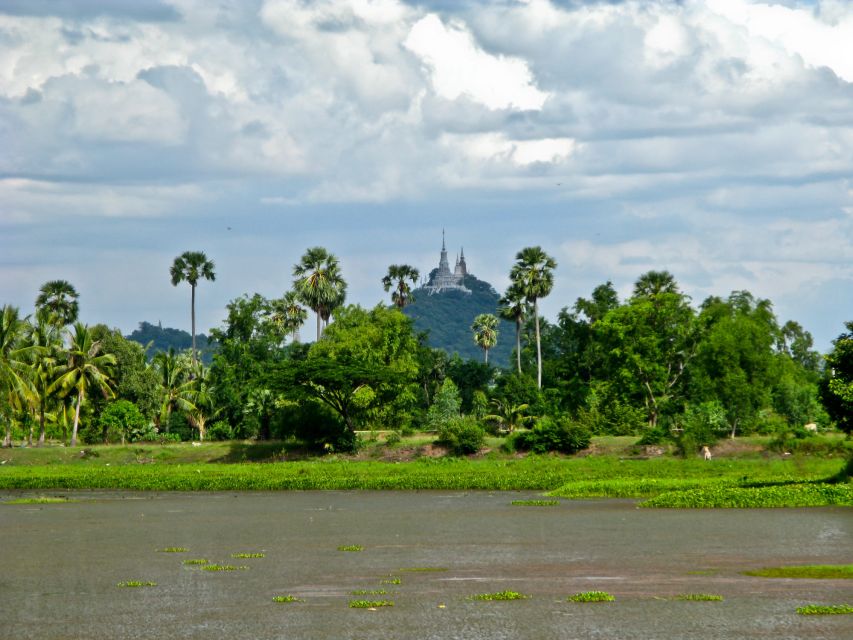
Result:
162,338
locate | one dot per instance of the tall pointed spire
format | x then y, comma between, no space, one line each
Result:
442,240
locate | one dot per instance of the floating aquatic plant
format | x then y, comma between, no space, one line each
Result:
222,567
136,583
248,555
592,596
535,503
173,550
699,597
824,610
814,571
393,580
196,561
350,547
287,599
370,604
369,592
499,595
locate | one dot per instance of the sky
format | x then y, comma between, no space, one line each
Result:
712,139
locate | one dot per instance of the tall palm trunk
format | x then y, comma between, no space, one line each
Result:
41,426
518,343
319,329
192,316
538,345
7,440
76,419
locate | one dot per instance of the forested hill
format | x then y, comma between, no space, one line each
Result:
162,338
447,317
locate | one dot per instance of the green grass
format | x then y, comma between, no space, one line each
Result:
824,610
248,555
370,604
535,503
499,595
699,597
173,550
136,583
812,572
194,561
351,547
222,567
40,500
369,592
592,596
286,599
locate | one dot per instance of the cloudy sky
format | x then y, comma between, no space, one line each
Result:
713,139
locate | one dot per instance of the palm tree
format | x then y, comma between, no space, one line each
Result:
13,354
485,330
190,266
510,416
654,283
59,299
87,369
287,315
401,273
319,284
533,274
201,398
176,384
45,344
513,308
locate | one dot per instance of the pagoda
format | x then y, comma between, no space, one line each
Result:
443,279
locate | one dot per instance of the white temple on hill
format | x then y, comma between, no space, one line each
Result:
445,279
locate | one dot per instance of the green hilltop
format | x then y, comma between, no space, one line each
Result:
447,318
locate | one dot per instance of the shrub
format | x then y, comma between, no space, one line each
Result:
393,438
554,434
122,420
462,435
220,430
445,407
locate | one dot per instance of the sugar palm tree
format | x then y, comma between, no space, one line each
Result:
485,328
87,370
287,315
398,277
653,283
318,284
14,385
190,266
513,308
59,299
533,274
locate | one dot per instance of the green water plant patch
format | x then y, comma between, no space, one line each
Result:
370,604
173,550
812,572
287,598
350,547
40,500
194,561
248,555
699,597
136,583
592,596
369,592
771,496
535,503
499,595
825,610
391,580
223,567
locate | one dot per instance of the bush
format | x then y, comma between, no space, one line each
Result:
462,435
553,434
122,420
220,430
445,407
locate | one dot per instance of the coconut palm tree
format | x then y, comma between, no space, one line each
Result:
59,299
513,308
87,370
176,384
191,266
287,315
45,344
533,274
485,328
14,386
510,416
318,284
201,398
401,274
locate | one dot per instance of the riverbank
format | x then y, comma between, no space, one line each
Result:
746,478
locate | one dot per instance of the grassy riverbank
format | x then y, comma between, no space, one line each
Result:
766,480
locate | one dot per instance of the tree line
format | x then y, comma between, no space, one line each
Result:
651,365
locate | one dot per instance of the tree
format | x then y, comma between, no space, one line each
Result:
400,274
837,386
190,266
44,355
319,284
287,316
533,275
510,416
13,355
59,299
176,385
447,406
87,369
485,328
513,308
124,418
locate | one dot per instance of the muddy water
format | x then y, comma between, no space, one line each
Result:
60,563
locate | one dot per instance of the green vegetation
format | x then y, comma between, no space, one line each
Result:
824,610
40,500
136,583
222,567
535,503
499,595
699,597
173,550
369,592
350,547
782,495
162,339
248,555
287,598
194,561
592,596
811,572
370,604
392,580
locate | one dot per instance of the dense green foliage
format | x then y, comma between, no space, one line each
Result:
825,610
592,596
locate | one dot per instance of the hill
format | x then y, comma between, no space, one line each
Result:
162,338
447,317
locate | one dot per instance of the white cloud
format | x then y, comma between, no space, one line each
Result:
459,67
497,147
